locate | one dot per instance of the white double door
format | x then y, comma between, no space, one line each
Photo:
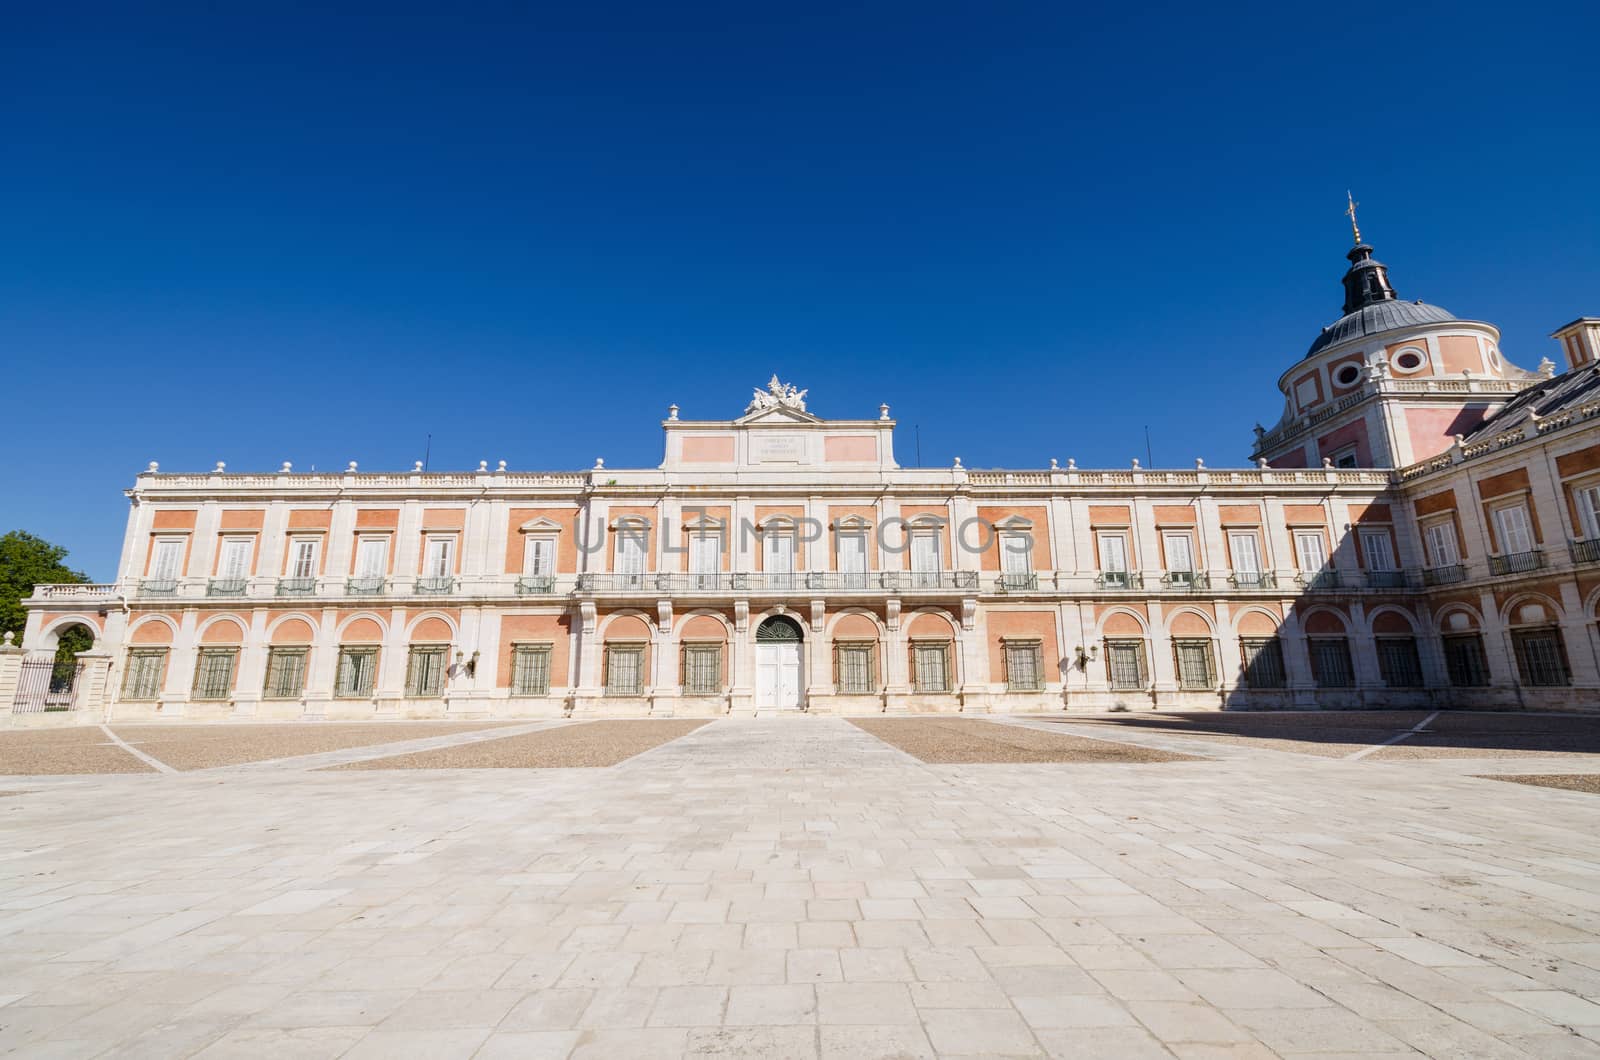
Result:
778,675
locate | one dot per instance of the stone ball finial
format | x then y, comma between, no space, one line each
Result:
958,462
220,468
9,637
1072,463
672,412
1262,464
1199,463
352,468
599,463
153,468
483,466
1327,463
286,468
417,467
1136,463
501,468
883,412
1054,465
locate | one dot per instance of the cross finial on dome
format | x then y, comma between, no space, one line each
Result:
1355,229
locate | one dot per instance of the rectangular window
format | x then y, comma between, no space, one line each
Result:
1465,660
1193,659
1541,657
372,557
539,557
530,669
1440,539
286,673
1263,662
1180,553
1512,527
705,560
213,673
146,667
438,556
778,558
358,671
630,554
1246,551
1588,504
853,660
1398,662
624,669
165,565
702,669
1024,665
1377,550
925,558
303,558
425,667
1125,664
931,666
1330,662
853,560
1113,549
1311,550
234,563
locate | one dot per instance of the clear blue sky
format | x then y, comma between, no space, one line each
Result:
281,234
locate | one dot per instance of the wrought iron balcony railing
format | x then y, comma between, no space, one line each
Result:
1516,562
799,582
227,586
1119,579
297,586
435,586
1448,574
1253,579
536,584
1185,580
158,587
1389,579
1320,581
1585,551
366,586
1017,582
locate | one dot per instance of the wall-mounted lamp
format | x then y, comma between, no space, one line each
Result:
1082,661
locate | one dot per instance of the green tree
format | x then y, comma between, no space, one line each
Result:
26,561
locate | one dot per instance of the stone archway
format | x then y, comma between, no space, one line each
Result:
51,677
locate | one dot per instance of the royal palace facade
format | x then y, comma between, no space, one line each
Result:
1420,529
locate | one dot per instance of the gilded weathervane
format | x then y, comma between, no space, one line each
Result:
1354,228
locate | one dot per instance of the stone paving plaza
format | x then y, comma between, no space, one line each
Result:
797,887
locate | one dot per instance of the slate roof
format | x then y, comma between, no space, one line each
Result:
1580,386
1377,318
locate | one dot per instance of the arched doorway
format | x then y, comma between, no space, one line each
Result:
779,649
49,677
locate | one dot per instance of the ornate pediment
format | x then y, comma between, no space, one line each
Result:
540,525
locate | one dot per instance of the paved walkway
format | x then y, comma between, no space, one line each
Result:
796,887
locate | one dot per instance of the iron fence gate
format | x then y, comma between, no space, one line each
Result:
45,684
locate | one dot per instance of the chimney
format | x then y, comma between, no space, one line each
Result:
1580,341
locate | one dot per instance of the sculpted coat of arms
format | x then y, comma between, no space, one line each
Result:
777,395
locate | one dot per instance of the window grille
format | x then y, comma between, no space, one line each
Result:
213,673
1398,662
853,660
1024,666
1465,660
702,669
1330,662
932,666
425,671
1541,657
530,669
358,671
286,673
1263,662
1125,663
146,666
624,669
1193,657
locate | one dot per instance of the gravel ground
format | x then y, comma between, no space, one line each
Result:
595,743
968,741
207,746
81,749
1589,782
1508,735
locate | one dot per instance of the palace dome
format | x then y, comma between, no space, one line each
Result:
1375,319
